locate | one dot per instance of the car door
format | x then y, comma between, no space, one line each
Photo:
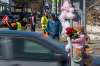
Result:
4,52
27,52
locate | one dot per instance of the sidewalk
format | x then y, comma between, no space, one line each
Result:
94,36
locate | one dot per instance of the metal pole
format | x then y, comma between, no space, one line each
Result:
73,52
84,15
81,16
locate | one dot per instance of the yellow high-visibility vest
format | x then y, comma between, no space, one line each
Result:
44,22
18,26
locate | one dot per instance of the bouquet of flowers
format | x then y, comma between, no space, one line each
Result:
72,33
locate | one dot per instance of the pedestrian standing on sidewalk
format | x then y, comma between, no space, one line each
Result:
32,20
14,25
54,27
44,22
23,23
28,25
18,24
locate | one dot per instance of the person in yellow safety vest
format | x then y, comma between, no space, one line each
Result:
18,26
14,25
44,21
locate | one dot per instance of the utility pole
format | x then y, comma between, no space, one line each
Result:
84,15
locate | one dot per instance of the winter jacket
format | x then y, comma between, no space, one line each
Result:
44,22
54,27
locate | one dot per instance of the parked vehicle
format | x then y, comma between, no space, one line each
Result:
30,49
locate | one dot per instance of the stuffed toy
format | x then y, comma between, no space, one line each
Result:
66,15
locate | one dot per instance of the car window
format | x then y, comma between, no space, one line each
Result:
34,47
3,42
29,46
27,49
31,49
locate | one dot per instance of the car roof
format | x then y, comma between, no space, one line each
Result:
38,35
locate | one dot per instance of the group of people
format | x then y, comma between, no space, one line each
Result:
51,25
13,24
20,23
